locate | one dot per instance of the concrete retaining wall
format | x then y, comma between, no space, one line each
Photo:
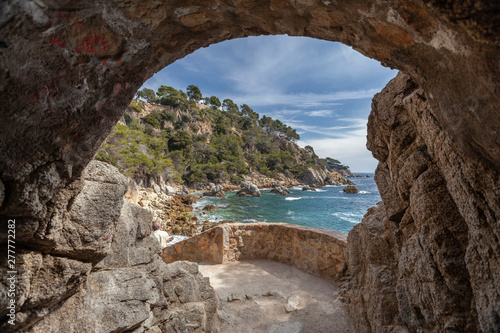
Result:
317,251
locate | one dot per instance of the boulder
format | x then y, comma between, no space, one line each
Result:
308,188
210,208
248,190
188,199
280,189
350,189
336,179
215,191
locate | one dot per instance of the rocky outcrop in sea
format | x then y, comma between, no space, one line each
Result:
248,190
350,189
215,191
280,189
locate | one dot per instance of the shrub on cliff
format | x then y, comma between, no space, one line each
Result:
192,144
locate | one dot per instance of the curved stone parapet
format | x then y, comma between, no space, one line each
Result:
317,251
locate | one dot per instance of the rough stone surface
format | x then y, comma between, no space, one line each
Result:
2,193
437,262
372,267
104,273
316,251
86,60
314,177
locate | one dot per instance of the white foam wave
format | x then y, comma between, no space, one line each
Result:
349,217
364,192
319,190
291,199
177,239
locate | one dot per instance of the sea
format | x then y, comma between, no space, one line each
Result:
327,208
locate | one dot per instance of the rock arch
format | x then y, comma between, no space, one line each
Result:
68,69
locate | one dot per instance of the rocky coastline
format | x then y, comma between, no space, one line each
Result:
172,204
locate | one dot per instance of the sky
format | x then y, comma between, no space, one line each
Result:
322,89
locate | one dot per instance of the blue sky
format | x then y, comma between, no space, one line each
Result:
322,89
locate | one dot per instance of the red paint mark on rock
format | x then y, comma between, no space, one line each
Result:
118,87
57,42
92,44
106,237
99,105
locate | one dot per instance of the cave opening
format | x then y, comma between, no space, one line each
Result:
321,89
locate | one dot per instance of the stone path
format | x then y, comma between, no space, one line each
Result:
270,297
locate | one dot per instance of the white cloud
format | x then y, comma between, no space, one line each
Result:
304,99
320,113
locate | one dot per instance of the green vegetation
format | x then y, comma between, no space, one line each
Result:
190,143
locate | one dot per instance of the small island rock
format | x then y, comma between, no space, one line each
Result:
215,191
350,189
249,190
336,179
308,188
280,189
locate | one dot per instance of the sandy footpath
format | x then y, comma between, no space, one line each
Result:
267,296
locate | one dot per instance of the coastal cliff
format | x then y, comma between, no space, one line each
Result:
194,144
429,253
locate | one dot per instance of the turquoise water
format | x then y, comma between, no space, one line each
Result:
327,208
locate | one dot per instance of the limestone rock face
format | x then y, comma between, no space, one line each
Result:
438,256
314,177
249,190
371,259
103,273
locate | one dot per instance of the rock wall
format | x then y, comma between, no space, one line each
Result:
69,69
97,269
316,251
430,253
